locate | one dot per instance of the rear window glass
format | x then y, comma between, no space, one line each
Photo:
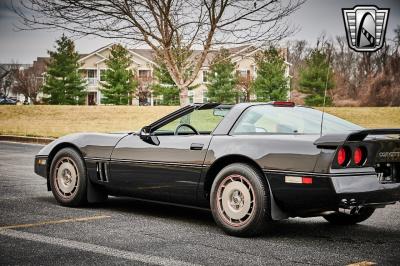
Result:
268,119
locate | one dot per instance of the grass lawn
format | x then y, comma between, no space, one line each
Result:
55,121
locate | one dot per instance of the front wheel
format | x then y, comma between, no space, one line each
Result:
347,219
68,178
239,200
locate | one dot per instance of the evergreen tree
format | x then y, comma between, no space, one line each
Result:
271,83
64,84
221,79
119,84
165,86
314,77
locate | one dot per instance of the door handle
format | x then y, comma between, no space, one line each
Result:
196,146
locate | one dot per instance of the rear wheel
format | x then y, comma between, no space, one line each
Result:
349,219
68,178
239,200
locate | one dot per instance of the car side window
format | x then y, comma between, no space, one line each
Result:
204,121
268,119
265,119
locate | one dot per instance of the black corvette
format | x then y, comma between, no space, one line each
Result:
250,163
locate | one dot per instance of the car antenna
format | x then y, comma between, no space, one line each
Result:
325,92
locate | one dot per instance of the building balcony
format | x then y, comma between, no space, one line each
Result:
91,81
145,79
245,79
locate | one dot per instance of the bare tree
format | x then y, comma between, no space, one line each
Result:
167,26
298,51
3,85
143,90
27,83
394,63
244,87
7,75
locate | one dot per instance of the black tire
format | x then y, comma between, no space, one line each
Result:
338,218
223,188
65,164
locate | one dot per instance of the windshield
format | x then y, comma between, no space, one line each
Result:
204,121
269,119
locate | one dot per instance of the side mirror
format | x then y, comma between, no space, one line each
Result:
146,136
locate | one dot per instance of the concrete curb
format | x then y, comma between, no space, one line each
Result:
24,139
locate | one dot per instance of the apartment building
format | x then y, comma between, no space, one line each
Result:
93,66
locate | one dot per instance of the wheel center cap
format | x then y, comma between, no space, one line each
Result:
67,176
237,200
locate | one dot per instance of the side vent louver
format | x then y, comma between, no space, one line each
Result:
102,171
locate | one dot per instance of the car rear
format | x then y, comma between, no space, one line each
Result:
375,154
316,165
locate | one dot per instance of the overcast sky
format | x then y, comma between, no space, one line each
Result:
313,18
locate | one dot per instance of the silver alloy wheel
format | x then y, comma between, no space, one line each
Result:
67,177
236,202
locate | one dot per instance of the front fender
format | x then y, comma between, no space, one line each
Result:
90,145
93,145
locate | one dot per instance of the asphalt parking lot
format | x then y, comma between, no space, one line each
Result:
34,229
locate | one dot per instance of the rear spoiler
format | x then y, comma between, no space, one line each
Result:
334,140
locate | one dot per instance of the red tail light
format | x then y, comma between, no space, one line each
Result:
306,180
359,155
342,156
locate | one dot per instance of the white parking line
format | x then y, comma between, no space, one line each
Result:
128,255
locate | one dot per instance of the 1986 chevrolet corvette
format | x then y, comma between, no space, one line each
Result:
250,163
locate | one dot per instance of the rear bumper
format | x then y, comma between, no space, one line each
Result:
364,190
40,165
331,192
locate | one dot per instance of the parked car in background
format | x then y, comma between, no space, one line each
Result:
7,101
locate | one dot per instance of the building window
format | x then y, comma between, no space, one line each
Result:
144,74
92,76
205,76
91,73
191,96
243,73
102,74
205,98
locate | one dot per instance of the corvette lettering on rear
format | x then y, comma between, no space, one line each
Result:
393,154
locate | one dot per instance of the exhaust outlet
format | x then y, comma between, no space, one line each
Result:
352,210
